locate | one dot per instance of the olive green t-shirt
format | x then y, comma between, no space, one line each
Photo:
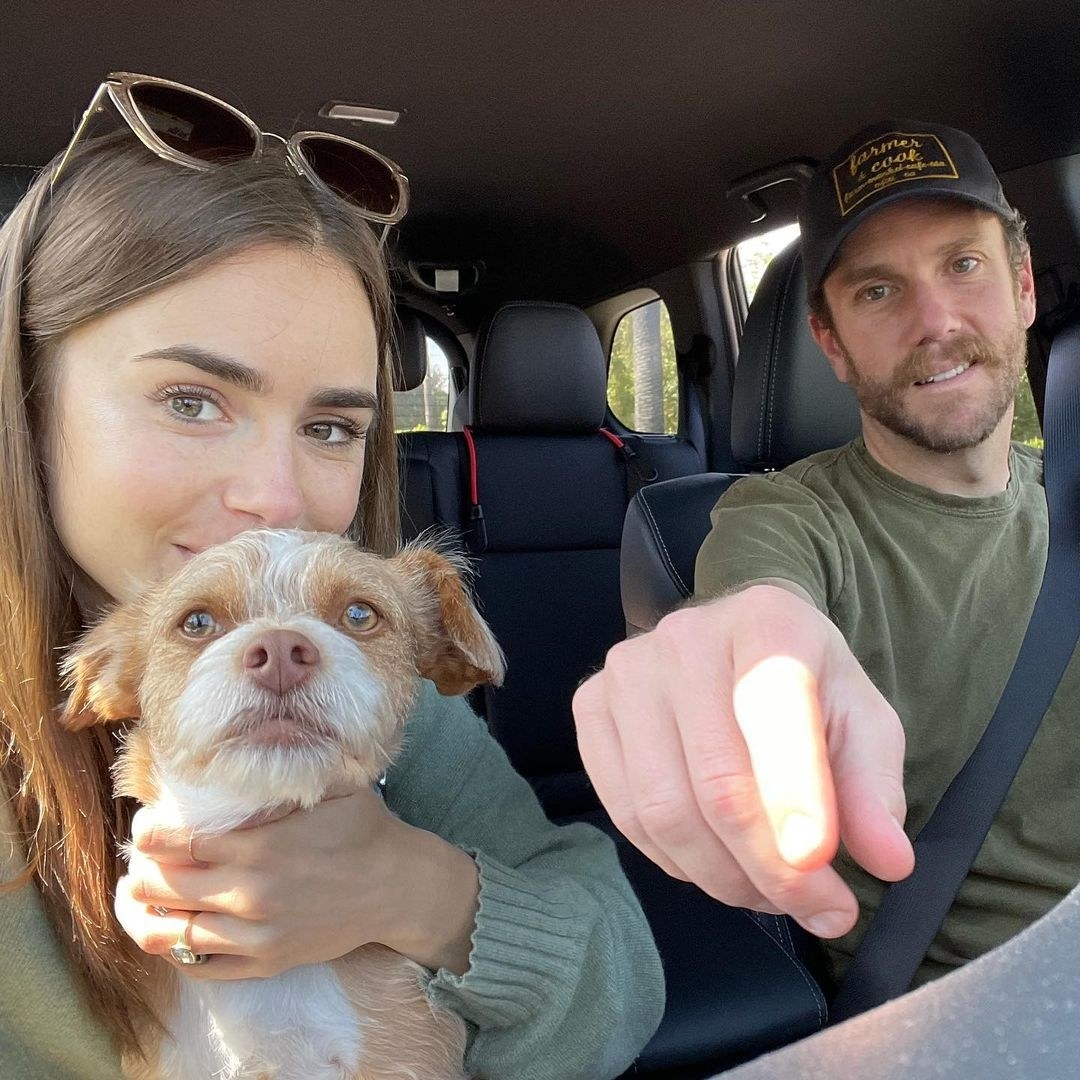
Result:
933,593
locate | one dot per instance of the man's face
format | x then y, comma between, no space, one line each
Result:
929,322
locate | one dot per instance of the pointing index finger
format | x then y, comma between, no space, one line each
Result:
778,711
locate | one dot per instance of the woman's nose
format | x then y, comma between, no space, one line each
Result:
265,486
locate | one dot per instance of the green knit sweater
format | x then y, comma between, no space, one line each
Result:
564,981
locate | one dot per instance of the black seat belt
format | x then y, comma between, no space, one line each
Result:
913,910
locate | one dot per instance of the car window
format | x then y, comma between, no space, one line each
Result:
643,384
754,256
426,408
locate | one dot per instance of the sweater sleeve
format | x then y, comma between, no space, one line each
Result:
564,981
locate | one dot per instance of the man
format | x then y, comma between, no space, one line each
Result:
774,744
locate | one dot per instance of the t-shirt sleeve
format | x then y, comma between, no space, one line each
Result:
564,982
771,526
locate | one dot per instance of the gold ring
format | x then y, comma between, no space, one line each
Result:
190,847
181,951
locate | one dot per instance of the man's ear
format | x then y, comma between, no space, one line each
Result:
102,672
829,343
1025,292
455,648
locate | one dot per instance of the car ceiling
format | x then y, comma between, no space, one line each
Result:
574,149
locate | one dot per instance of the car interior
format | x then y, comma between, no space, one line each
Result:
590,345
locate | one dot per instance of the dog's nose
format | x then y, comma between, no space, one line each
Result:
281,659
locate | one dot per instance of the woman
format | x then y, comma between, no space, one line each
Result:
193,342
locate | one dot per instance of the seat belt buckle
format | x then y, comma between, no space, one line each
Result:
478,529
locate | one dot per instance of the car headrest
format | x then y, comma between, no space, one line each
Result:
539,367
786,401
410,349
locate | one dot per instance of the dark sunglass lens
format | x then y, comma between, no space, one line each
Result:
353,173
192,125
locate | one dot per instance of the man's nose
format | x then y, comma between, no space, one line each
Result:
934,313
280,660
266,487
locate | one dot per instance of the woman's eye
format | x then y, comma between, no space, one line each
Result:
199,624
189,404
360,616
188,407
334,431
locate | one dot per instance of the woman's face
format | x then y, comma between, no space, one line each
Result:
234,399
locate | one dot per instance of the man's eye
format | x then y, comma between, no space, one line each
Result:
873,293
360,616
199,624
965,264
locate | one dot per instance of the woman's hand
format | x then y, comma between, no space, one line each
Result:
302,889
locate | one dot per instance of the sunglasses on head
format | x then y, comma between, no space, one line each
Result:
199,131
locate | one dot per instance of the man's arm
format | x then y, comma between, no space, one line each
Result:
738,743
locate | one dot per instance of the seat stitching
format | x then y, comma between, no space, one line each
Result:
776,340
815,990
764,390
668,562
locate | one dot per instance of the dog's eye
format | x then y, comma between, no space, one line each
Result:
199,624
360,616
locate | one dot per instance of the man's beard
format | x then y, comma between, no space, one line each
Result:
1004,360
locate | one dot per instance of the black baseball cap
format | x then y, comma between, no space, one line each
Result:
882,164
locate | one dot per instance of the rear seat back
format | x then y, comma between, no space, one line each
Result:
545,533
429,460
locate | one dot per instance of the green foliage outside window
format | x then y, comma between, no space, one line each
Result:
1026,427
643,384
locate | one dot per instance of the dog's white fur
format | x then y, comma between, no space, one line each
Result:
214,747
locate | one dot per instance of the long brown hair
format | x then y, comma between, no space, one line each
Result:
119,224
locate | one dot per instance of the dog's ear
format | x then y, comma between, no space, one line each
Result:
456,650
101,671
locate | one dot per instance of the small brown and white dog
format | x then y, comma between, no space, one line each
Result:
271,670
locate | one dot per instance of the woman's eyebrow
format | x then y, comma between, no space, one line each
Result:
247,378
344,398
222,367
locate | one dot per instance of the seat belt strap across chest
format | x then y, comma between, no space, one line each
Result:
913,910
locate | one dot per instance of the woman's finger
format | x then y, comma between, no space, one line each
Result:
163,841
194,888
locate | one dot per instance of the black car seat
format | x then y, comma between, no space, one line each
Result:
537,494
787,403
553,493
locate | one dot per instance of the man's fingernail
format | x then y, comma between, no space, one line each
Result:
829,924
800,837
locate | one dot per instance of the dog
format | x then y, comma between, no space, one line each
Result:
270,671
